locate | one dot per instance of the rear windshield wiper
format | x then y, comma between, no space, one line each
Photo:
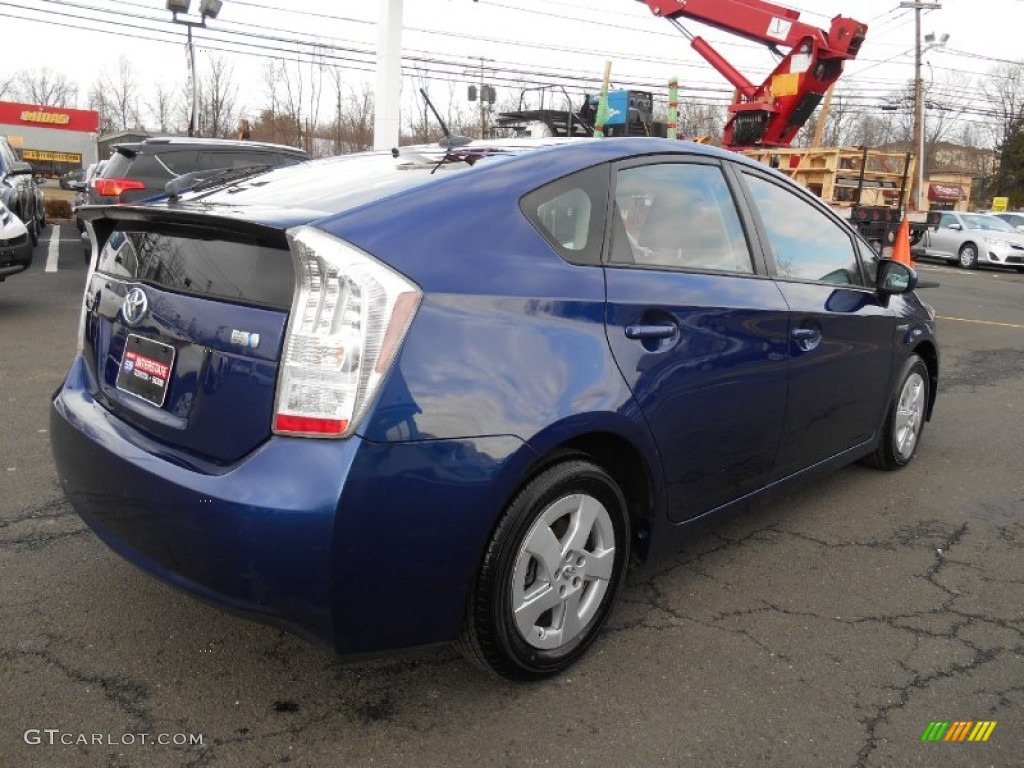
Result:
196,180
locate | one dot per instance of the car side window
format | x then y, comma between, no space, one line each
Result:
569,213
946,221
677,216
805,243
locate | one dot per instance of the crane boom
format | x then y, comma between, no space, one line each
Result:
772,113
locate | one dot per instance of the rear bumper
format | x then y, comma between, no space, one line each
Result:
358,545
246,538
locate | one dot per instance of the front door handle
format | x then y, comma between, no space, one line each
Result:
806,338
659,331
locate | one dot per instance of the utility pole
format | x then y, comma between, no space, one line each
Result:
387,106
486,96
917,190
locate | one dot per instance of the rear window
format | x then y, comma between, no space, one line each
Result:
183,260
215,160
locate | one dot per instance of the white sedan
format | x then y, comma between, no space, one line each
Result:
970,239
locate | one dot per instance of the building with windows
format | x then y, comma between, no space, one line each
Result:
53,139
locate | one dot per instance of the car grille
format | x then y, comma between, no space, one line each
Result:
14,242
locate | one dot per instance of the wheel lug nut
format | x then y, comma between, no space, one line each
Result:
581,560
576,581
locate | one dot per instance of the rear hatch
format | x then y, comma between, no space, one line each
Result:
183,332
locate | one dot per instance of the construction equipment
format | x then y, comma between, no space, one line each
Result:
772,113
768,115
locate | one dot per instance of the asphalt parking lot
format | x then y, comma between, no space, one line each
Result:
827,629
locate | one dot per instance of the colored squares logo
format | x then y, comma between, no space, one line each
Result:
959,730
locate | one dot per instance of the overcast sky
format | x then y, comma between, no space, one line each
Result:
517,39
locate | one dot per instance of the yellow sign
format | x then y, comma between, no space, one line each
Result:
1000,204
50,118
785,85
56,157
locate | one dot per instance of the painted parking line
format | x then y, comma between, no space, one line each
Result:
980,322
54,252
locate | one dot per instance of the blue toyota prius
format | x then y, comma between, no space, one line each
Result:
449,394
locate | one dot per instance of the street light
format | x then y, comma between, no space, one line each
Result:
207,9
931,40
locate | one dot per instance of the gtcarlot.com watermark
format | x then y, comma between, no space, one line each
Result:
55,737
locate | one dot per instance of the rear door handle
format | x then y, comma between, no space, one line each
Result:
665,331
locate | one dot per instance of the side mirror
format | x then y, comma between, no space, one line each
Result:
894,277
957,227
20,169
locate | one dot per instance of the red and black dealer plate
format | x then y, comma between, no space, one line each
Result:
146,369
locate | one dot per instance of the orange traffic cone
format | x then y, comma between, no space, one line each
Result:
901,248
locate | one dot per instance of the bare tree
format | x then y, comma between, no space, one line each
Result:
161,108
280,120
44,87
116,98
357,121
421,125
1004,90
218,93
7,85
696,120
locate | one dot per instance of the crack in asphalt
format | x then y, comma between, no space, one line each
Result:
941,537
45,513
127,694
50,510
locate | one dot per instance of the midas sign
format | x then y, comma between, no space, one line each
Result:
50,118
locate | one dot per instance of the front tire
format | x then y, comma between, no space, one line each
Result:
32,225
550,575
969,256
905,419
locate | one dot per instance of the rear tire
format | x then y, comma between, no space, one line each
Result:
969,256
550,575
905,419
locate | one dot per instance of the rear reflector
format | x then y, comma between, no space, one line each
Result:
305,425
114,187
349,316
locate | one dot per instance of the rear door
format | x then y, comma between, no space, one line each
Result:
184,329
697,329
841,334
945,241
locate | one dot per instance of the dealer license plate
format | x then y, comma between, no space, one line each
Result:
146,369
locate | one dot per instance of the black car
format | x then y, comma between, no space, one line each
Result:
67,180
142,169
18,191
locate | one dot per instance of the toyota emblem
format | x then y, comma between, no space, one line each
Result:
135,306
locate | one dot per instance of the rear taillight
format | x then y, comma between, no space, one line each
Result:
114,187
349,315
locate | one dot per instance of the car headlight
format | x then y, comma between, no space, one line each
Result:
997,241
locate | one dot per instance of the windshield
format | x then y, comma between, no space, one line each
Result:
988,223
